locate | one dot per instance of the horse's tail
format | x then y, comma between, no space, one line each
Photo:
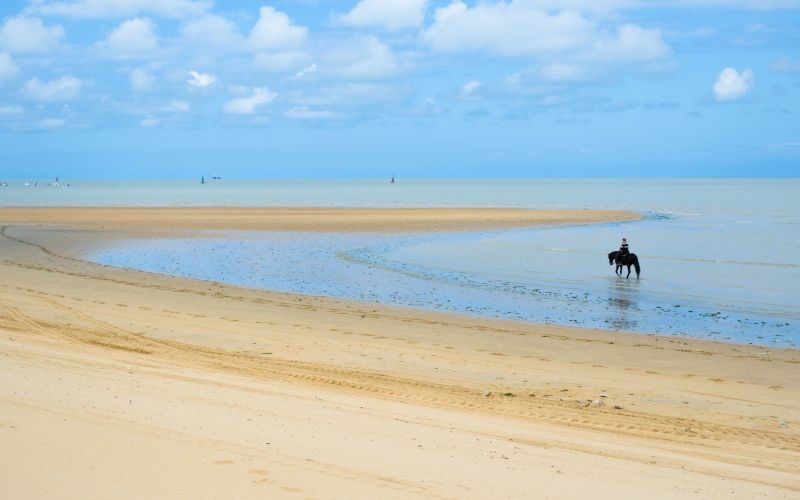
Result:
636,265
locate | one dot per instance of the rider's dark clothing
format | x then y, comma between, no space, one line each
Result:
623,250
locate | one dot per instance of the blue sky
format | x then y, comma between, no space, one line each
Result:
420,88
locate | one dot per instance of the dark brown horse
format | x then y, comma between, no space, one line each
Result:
624,260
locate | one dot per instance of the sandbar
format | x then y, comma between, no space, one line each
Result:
307,218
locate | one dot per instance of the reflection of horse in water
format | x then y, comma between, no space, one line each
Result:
624,260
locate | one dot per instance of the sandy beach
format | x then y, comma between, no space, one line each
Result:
306,219
125,384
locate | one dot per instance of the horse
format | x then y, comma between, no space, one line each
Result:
627,260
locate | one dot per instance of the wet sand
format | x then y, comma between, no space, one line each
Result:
122,384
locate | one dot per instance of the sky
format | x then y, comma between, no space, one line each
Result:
415,88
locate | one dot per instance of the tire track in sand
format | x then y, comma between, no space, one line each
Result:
761,449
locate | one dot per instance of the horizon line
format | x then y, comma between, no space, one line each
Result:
211,180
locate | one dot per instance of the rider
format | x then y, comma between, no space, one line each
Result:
623,249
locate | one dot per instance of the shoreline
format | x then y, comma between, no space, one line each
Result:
75,250
691,412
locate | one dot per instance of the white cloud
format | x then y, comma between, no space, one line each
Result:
583,5
309,70
631,44
611,5
132,38
213,31
518,28
742,4
247,105
275,40
503,28
304,113
274,35
275,31
361,59
61,89
732,85
469,89
141,80
149,121
119,8
29,34
201,80
8,68
388,14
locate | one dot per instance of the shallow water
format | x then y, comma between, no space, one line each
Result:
719,257
524,277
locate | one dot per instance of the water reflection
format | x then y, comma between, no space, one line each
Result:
623,304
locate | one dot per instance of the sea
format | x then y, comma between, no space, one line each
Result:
720,258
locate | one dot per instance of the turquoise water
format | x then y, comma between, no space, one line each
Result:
719,257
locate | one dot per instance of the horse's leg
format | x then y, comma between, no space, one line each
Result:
629,272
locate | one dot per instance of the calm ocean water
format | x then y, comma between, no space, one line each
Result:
719,257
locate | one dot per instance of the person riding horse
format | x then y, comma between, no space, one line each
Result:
624,257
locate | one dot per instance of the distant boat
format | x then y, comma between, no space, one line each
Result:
202,180
392,181
216,178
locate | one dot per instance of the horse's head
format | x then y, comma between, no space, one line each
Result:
611,258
